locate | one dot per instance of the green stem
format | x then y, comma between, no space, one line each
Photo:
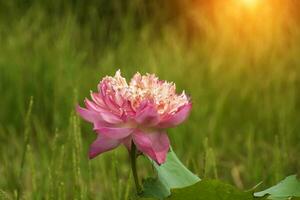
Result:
133,157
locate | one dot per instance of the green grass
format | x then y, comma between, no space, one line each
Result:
245,122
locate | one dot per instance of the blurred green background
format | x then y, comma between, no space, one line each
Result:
238,59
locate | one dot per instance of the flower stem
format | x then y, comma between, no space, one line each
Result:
133,157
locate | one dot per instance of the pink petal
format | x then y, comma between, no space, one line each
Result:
177,118
119,100
102,144
97,99
88,115
106,97
93,106
147,115
111,118
127,111
102,87
154,144
106,115
98,117
115,132
101,124
127,107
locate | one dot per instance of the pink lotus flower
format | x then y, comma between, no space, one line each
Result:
137,112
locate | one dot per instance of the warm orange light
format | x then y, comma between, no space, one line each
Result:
249,3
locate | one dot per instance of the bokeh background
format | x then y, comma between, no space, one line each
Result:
238,59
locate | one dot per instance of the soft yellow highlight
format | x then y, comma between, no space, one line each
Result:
249,3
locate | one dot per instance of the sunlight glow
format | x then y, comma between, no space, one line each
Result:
249,3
